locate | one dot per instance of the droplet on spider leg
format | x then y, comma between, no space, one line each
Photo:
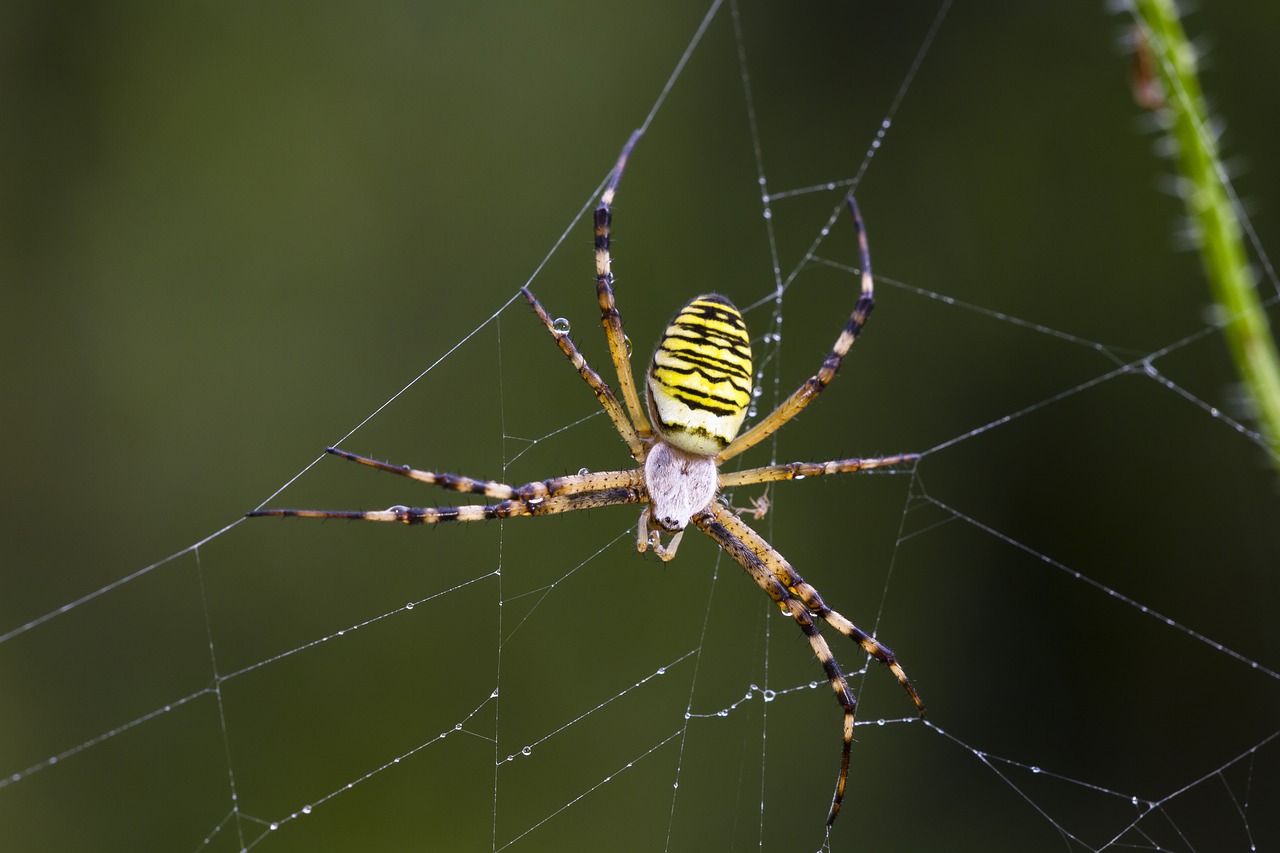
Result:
583,471
627,343
560,326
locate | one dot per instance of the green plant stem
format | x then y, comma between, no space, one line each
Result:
1213,215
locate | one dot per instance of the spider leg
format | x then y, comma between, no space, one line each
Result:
801,589
713,521
602,391
619,348
590,481
814,385
513,508
800,470
452,482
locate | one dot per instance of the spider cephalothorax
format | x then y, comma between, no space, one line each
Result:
698,387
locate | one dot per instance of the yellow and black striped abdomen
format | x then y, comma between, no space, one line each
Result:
700,377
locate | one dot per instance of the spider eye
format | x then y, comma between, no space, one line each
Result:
700,376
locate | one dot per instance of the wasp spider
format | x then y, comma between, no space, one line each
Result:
698,388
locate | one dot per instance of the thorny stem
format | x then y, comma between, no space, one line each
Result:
1170,60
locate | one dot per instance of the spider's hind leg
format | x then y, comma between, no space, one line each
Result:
603,392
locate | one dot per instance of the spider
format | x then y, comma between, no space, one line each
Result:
698,387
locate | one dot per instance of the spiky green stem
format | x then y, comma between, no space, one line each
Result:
1213,214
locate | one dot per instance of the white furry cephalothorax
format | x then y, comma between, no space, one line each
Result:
679,484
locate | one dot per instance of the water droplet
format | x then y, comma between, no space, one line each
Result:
1035,769
880,722
560,326
768,214
457,727
275,826
306,809
397,508
770,695
409,606
675,784
722,713
757,391
799,477
627,343
528,750
752,411
583,471
662,670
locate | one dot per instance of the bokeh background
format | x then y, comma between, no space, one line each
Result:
231,232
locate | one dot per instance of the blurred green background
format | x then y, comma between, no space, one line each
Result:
233,231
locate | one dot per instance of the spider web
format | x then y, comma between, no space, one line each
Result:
272,226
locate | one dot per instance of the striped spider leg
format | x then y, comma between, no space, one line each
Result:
797,598
698,389
541,497
619,346
816,384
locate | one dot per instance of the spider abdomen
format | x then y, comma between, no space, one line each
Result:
700,376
